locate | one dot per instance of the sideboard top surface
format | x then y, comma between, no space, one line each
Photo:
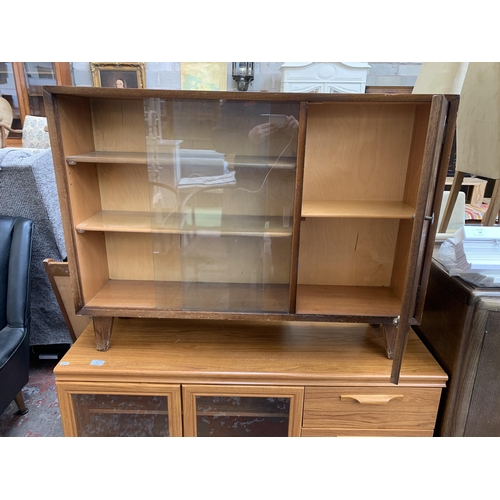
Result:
278,353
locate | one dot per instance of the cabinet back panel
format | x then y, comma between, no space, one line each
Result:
119,125
130,256
198,258
124,187
357,151
358,252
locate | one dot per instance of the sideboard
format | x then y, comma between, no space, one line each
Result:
167,377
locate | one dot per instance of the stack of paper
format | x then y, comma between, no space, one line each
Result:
202,163
473,253
478,248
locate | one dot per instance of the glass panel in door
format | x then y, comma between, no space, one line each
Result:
9,93
222,183
36,75
237,416
110,415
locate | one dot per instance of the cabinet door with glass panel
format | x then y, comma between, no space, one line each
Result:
115,409
178,204
239,411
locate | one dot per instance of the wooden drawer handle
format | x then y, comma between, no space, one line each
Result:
371,399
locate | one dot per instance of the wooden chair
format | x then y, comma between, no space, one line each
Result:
478,133
478,124
6,118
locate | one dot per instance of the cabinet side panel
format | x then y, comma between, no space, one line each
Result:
413,177
83,189
415,161
347,251
485,399
357,151
119,125
401,255
91,248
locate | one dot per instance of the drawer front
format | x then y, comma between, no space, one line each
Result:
371,408
366,433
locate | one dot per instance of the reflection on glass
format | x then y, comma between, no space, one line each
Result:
121,416
9,93
38,74
242,416
222,179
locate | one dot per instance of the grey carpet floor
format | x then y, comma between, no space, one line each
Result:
43,418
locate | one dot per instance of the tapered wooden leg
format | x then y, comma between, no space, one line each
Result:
102,331
390,339
19,399
494,206
452,199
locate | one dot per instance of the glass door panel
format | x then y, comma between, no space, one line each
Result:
107,415
36,75
236,411
8,92
242,416
222,183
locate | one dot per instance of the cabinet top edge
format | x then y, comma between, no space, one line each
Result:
231,95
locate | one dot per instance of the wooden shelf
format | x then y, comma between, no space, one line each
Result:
246,414
358,209
375,301
179,296
130,158
261,162
121,411
213,224
312,300
142,158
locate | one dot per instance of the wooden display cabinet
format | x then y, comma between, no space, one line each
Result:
242,378
224,205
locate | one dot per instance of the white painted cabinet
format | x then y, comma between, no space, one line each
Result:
324,77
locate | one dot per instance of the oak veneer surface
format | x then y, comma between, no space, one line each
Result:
278,353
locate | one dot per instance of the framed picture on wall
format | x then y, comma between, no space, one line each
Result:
120,75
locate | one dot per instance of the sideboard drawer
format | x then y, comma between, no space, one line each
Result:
311,432
370,407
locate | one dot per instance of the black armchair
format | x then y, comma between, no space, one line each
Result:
15,260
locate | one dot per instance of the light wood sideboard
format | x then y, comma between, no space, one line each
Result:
168,377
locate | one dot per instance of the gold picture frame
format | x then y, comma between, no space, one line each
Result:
121,75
